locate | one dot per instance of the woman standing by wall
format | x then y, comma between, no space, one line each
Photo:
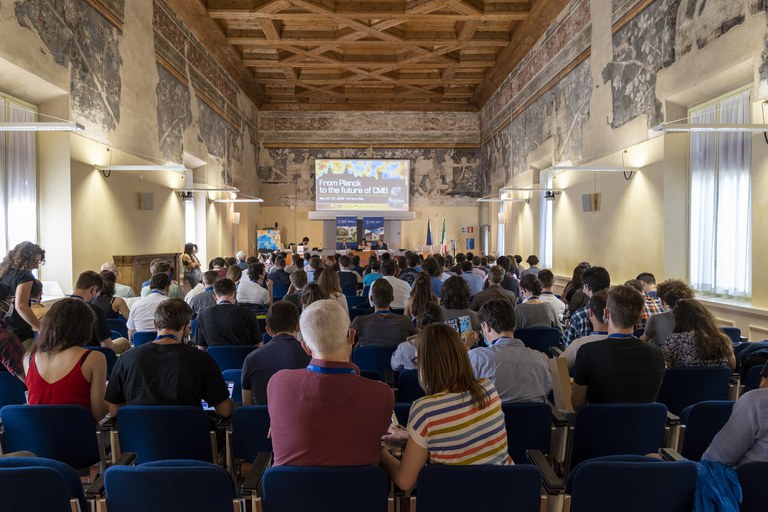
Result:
16,271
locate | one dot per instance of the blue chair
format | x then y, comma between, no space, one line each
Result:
169,486
483,487
248,436
397,311
374,359
529,427
682,387
116,335
60,432
110,355
753,476
539,338
12,390
617,429
118,325
366,291
408,387
349,291
262,323
638,332
402,411
160,432
140,338
236,377
266,338
752,379
354,301
734,333
230,357
325,489
40,485
702,423
193,327
632,484
278,292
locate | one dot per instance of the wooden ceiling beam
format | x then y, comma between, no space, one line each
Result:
435,41
354,66
296,17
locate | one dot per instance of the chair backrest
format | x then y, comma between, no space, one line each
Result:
632,485
325,489
734,333
22,479
402,411
702,422
366,291
250,427
60,432
193,327
230,357
237,390
279,291
539,338
529,427
752,379
682,387
354,301
483,487
374,359
119,325
408,387
617,429
11,390
752,477
169,486
349,291
110,355
142,337
160,432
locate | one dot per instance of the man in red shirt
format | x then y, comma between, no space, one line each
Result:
327,414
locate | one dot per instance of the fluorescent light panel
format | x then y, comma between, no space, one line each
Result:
64,126
713,128
588,168
253,200
137,168
207,188
530,189
494,199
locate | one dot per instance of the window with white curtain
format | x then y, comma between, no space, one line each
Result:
501,227
721,224
546,208
18,176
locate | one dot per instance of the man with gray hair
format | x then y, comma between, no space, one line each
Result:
121,290
494,290
327,414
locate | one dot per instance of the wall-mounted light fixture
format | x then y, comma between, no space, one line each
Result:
106,170
43,126
712,128
203,187
239,198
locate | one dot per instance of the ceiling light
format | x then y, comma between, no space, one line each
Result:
712,128
494,199
65,126
202,187
108,168
531,189
239,200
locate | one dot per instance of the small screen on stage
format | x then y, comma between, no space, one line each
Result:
364,185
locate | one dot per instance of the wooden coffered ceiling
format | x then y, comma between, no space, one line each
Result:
423,55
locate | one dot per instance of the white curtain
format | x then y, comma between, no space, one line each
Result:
720,201
20,179
3,186
545,223
500,234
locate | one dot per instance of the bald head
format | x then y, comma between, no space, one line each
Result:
111,267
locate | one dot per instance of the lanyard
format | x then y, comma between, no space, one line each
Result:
223,302
599,332
208,289
547,293
76,297
161,292
320,369
499,339
620,336
163,336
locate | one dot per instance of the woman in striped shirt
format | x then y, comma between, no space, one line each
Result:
459,422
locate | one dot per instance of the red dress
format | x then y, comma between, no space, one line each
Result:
72,389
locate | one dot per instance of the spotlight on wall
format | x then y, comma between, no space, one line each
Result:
550,195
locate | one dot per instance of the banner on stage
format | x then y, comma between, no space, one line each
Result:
268,239
346,233
373,228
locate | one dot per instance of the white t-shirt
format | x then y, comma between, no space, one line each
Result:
556,303
572,349
252,293
197,290
401,291
142,316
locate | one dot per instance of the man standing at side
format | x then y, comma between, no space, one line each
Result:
594,280
327,414
621,368
225,323
283,352
168,371
520,374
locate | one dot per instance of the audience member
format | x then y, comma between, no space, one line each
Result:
534,312
455,298
547,280
454,397
409,274
653,304
435,271
594,279
190,265
241,260
110,304
400,289
478,269
474,281
163,267
226,323
348,279
660,326
16,271
87,288
620,368
532,269
456,269
327,414
314,267
283,352
510,282
696,340
421,294
518,373
573,292
298,282
404,356
121,290
142,317
329,284
296,264
234,274
59,370
311,293
373,273
494,290
205,299
518,265
167,371
382,327
279,276
596,305
11,349
250,291
356,266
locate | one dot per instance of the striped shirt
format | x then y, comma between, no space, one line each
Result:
456,432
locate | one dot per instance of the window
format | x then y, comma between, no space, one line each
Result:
18,176
546,207
721,226
501,227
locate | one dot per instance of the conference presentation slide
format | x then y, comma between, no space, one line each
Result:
365,185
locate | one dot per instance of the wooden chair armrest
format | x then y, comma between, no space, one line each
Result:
252,483
553,484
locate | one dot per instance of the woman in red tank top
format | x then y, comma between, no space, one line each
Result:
60,371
